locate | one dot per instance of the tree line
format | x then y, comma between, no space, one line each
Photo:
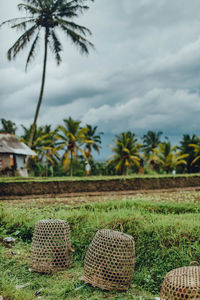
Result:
65,150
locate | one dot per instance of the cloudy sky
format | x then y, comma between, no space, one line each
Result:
144,73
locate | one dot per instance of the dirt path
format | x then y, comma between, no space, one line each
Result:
175,194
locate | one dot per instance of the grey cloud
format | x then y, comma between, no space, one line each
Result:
157,110
144,73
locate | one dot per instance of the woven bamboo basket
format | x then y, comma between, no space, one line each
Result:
181,283
51,246
109,261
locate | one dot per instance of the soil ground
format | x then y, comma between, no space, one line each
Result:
118,186
174,195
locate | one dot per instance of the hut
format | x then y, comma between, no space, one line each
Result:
13,155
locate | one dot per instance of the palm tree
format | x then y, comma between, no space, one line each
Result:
45,16
151,140
126,152
185,147
168,157
196,148
94,140
8,126
44,144
71,137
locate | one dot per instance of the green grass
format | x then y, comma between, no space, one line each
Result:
166,233
62,285
88,178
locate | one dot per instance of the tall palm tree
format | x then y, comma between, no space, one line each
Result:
94,140
126,152
46,16
71,137
151,140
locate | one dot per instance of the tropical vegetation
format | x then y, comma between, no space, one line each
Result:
64,150
126,151
71,136
8,126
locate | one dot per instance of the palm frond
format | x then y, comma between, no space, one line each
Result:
68,9
13,21
195,146
56,4
118,166
66,159
32,50
73,26
23,25
83,152
195,160
77,7
31,9
56,46
78,1
21,42
37,3
78,40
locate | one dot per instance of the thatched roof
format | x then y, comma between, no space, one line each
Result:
10,144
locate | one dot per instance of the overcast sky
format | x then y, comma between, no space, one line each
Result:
144,73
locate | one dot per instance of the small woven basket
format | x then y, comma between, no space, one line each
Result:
51,246
181,283
109,261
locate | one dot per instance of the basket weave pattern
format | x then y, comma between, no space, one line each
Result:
181,283
109,261
51,246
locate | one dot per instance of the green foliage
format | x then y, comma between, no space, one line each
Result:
93,140
186,148
64,149
151,140
126,151
44,145
70,137
196,148
167,158
8,126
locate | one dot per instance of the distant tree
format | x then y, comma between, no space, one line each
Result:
196,148
46,16
8,126
71,136
126,152
168,157
185,148
44,144
151,140
94,140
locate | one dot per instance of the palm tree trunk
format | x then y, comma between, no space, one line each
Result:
71,161
126,171
41,90
47,165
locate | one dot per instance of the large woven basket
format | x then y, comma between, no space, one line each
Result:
181,283
51,246
109,261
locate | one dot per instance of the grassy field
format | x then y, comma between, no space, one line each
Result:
165,226
94,178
